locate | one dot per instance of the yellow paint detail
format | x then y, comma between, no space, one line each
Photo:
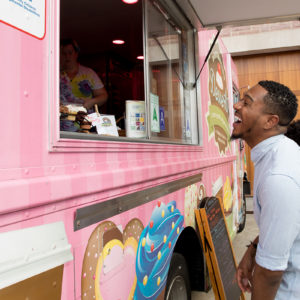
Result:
158,281
106,250
159,255
145,280
227,195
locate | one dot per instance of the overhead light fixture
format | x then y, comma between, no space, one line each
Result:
141,57
130,1
118,42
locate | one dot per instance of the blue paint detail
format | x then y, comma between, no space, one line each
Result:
147,261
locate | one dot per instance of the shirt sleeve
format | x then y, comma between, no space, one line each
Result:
95,80
279,197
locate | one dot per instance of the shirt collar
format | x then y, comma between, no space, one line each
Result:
259,151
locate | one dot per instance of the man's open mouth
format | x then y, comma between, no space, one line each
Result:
237,120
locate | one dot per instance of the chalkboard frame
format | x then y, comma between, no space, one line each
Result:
210,251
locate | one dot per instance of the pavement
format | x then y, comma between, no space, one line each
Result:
239,247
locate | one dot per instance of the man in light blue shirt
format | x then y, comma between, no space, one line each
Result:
270,268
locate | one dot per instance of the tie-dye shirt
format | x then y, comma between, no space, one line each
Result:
80,87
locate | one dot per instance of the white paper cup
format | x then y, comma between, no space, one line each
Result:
135,119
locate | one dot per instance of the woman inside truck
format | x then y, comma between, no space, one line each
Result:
78,84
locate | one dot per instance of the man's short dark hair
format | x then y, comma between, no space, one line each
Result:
280,101
68,41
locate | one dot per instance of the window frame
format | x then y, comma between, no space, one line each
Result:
60,141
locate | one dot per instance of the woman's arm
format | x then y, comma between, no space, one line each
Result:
100,97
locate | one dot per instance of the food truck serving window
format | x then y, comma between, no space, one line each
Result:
125,73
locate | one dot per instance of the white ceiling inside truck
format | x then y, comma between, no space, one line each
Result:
239,12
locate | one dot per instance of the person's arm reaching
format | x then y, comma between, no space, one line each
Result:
100,97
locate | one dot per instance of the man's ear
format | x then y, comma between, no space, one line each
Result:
271,122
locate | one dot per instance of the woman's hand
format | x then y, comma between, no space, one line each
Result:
100,97
89,103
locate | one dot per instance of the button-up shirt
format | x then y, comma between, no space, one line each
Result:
277,210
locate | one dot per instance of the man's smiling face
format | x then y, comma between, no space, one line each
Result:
250,116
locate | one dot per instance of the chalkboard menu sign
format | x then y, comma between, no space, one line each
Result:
218,249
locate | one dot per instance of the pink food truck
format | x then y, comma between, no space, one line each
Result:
106,211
